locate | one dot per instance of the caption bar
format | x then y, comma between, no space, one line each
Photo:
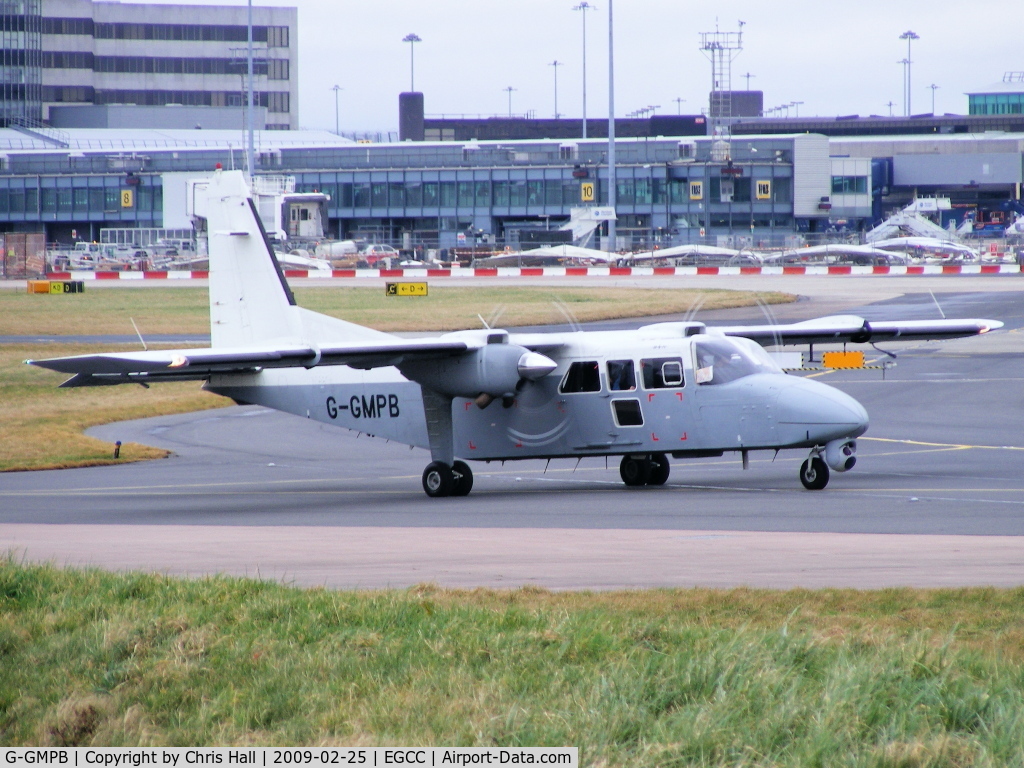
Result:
178,757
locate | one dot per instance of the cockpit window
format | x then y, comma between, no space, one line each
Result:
721,360
581,377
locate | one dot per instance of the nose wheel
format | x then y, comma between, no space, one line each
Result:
814,473
439,479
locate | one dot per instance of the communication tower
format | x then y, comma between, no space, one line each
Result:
721,48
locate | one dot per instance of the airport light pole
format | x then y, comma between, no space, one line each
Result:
934,88
796,106
509,89
336,88
679,104
556,64
583,7
250,150
910,37
412,38
612,180
905,62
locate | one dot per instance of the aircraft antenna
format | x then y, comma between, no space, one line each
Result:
937,304
137,333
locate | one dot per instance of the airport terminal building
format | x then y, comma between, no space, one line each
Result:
766,190
67,62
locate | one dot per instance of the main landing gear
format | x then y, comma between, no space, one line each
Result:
644,469
441,480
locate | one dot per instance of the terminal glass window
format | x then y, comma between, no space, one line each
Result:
624,192
502,192
518,193
49,201
465,194
783,189
414,194
535,192
361,194
430,194
849,185
642,191
482,194
447,194
396,194
581,377
662,372
552,192
379,194
620,375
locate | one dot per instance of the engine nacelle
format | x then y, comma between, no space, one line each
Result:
493,369
841,455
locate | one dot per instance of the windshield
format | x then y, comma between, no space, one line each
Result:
719,360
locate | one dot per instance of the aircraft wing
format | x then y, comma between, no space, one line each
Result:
198,364
851,328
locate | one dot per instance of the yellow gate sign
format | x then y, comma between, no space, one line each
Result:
406,289
587,192
696,190
764,189
127,198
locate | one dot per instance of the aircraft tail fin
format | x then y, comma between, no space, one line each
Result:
251,303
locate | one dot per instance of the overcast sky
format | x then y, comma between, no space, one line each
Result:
837,58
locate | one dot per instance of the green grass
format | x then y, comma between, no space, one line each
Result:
42,426
662,678
110,309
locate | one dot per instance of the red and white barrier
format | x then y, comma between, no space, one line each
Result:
929,269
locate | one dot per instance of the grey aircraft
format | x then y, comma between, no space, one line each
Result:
675,389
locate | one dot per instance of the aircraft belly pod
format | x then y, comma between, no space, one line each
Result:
667,389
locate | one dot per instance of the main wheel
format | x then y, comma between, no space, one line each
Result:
659,469
463,479
438,479
814,474
635,470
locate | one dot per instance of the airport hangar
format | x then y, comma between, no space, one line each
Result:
765,190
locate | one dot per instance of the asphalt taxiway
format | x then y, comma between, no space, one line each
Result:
936,499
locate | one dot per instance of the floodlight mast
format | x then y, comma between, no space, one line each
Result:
250,152
583,7
910,36
612,180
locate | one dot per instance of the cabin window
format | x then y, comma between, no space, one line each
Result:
628,413
581,377
662,372
621,375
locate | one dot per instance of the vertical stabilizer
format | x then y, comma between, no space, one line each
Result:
250,302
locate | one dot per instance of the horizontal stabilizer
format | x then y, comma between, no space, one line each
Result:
199,364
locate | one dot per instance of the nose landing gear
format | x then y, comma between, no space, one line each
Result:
814,471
